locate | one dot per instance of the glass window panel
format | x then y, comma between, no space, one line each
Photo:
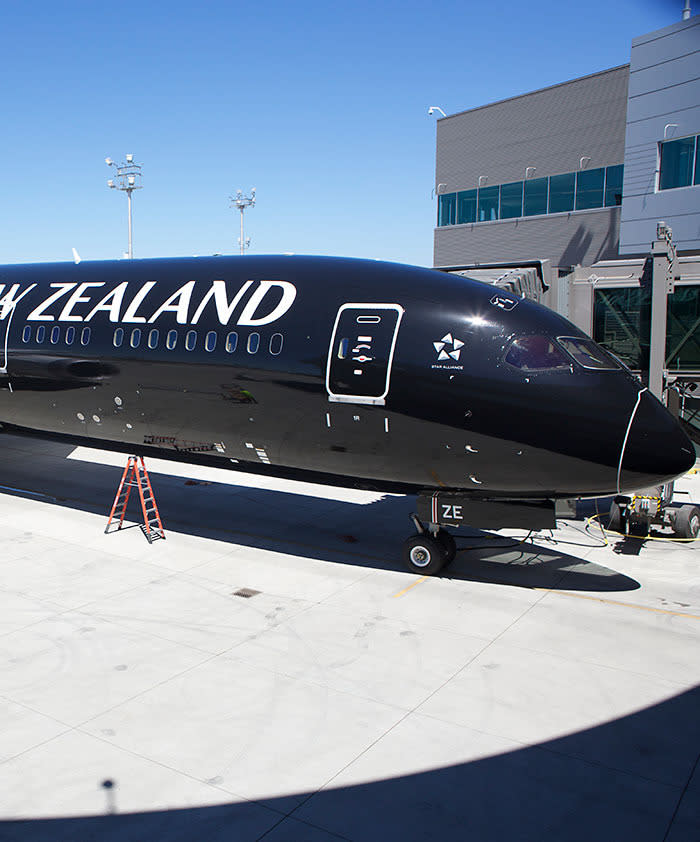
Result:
253,343
589,188
190,340
587,353
85,336
153,338
466,207
135,340
171,340
276,341
613,185
40,333
231,342
535,197
487,205
118,337
561,192
447,204
536,353
55,334
210,340
683,328
697,160
70,335
511,200
27,333
621,319
676,163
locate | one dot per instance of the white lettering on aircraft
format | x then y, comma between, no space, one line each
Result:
269,301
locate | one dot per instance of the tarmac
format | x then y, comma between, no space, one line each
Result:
270,670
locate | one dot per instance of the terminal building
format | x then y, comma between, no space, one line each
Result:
564,187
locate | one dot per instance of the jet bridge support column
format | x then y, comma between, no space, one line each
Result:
664,273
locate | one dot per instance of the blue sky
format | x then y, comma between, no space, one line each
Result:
321,107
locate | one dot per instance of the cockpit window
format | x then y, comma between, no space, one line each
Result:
587,353
536,353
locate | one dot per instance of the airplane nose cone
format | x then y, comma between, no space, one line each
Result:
657,449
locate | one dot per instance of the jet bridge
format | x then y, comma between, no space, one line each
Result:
531,279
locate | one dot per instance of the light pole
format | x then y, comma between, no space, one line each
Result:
242,202
128,179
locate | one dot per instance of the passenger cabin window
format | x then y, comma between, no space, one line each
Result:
153,338
210,340
536,353
253,343
85,336
27,333
40,333
276,341
171,340
190,340
587,353
70,335
55,334
135,340
231,342
118,337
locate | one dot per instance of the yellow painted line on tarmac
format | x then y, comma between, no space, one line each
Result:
405,590
617,602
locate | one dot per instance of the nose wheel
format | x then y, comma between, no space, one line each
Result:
427,552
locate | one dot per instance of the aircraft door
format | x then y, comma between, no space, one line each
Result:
361,352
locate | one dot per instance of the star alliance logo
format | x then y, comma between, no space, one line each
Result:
448,348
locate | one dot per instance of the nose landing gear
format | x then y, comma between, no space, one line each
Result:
427,552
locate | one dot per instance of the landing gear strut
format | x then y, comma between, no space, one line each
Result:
427,552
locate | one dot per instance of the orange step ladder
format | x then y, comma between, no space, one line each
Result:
136,476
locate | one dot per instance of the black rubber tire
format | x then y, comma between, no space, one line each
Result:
615,519
687,523
448,544
423,554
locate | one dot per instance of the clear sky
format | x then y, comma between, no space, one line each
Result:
321,106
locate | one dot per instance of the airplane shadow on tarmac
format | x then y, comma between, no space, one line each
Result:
627,779
367,535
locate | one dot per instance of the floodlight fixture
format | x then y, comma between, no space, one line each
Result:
242,202
434,108
128,179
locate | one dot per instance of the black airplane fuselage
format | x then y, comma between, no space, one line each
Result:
356,372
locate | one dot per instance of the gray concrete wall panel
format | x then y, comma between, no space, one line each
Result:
549,129
565,239
664,88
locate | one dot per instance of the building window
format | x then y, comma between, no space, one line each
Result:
466,207
535,197
589,188
511,200
171,340
190,340
210,340
613,185
447,204
487,204
678,164
561,192
231,342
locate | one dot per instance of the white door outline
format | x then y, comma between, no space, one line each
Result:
376,400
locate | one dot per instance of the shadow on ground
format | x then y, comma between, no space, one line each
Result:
627,779
365,535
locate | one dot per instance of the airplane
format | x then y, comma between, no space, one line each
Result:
373,375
